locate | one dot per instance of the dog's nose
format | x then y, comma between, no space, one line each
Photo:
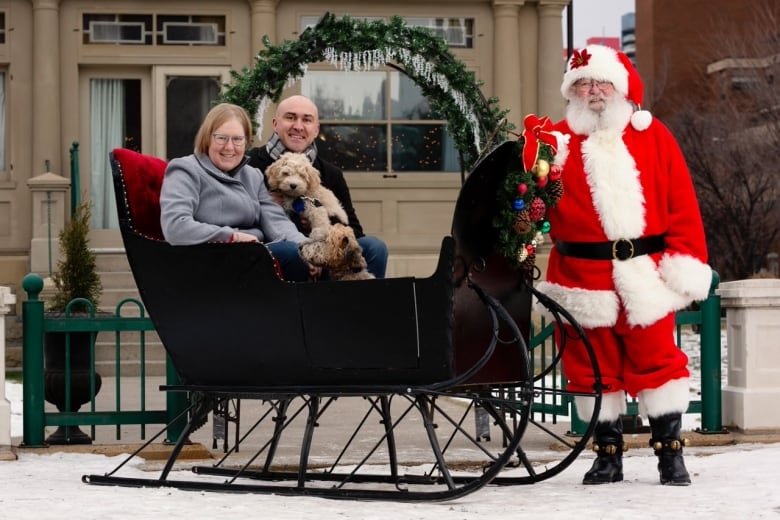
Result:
293,186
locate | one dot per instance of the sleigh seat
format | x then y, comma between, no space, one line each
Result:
227,319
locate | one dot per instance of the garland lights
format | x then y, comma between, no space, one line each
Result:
357,45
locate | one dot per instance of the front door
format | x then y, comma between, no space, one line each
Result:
155,111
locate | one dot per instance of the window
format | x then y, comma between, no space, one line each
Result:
117,29
115,122
187,100
2,27
378,121
191,30
458,32
148,29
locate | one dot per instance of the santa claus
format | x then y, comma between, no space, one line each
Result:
629,250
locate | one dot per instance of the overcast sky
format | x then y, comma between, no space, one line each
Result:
598,18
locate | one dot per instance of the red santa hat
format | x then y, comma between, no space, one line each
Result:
602,63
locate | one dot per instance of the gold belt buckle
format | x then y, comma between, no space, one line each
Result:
615,244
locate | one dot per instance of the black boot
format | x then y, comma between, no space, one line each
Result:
668,447
609,448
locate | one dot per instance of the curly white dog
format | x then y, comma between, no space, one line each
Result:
294,177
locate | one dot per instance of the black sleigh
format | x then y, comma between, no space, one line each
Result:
403,389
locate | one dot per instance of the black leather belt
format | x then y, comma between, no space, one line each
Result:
620,249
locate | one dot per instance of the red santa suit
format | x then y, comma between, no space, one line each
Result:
622,183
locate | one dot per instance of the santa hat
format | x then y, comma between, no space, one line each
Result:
602,63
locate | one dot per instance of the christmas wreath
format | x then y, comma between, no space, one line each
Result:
350,44
531,187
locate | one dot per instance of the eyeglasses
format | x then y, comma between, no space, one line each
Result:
587,84
222,140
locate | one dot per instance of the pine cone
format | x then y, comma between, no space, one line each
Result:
522,223
555,190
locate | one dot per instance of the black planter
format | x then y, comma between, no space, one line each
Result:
55,380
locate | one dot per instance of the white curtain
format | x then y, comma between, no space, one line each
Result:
107,124
2,121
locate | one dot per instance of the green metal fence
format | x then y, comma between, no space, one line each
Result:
705,317
36,324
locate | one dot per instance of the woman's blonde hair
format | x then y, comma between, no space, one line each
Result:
218,116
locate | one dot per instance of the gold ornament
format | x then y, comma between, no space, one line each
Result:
542,168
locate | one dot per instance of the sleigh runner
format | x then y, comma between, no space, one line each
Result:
424,359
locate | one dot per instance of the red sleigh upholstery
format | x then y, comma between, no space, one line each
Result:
142,176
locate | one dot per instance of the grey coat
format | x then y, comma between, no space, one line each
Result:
200,203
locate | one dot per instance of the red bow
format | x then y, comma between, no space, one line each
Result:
536,131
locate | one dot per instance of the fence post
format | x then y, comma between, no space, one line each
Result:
751,397
711,411
32,371
6,299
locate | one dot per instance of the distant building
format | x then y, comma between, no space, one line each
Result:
628,35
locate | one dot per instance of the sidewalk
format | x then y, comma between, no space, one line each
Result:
346,411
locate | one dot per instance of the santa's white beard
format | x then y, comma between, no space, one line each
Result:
584,120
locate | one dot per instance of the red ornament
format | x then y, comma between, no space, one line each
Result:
555,172
522,188
530,249
537,209
542,181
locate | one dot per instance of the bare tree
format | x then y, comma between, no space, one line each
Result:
731,140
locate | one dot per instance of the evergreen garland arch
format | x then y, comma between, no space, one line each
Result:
473,121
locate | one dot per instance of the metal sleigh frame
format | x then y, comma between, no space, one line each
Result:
413,367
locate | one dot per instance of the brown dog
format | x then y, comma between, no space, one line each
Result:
337,249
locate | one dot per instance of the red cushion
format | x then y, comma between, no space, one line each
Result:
143,178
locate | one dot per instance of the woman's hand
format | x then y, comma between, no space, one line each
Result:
239,236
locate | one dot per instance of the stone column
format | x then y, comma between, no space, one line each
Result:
751,399
263,23
49,205
6,299
552,61
46,84
507,85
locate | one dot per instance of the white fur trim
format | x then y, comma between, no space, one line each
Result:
563,147
644,294
686,275
641,120
591,309
613,405
603,65
671,397
614,183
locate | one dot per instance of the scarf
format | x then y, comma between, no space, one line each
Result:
276,148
